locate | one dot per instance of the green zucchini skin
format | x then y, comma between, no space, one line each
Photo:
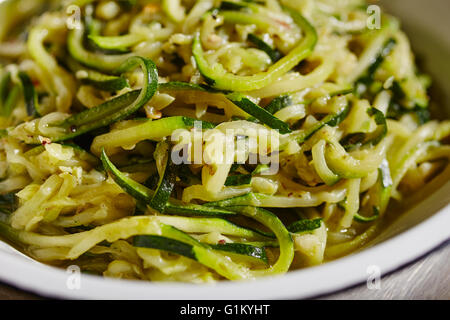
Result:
187,177
341,92
97,117
8,203
239,100
29,94
363,219
220,79
358,139
145,195
274,54
178,242
139,166
363,82
195,210
257,253
364,87
382,193
102,62
115,109
331,120
396,109
148,129
165,186
4,85
190,123
136,190
245,179
238,180
259,113
278,104
166,244
9,234
318,156
104,82
237,201
304,226
344,165
97,79
11,101
145,94
118,43
387,49
264,116
385,185
180,87
9,95
279,231
232,6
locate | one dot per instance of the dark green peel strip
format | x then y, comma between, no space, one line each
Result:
259,113
305,225
29,94
274,54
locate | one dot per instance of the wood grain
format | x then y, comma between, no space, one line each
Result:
428,278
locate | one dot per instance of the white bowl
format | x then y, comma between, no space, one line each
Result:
414,234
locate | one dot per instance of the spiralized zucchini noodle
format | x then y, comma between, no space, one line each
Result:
205,140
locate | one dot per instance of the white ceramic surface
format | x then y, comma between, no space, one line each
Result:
411,236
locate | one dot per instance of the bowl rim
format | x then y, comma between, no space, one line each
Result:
388,255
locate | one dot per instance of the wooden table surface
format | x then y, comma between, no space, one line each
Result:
427,278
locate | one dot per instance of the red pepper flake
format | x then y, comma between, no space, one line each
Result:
222,241
284,24
45,141
290,194
35,82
